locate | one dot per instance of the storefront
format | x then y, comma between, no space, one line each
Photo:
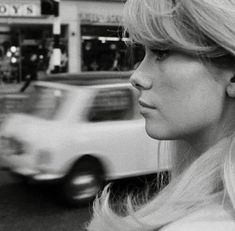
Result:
103,46
91,38
26,40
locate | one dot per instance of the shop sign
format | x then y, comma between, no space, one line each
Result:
19,8
92,18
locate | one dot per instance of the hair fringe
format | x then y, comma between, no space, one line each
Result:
195,27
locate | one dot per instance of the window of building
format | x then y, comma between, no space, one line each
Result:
26,51
104,49
111,104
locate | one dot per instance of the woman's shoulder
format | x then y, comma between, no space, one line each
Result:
214,218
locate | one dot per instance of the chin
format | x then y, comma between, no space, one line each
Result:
162,131
159,134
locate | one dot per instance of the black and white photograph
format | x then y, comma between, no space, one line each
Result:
117,115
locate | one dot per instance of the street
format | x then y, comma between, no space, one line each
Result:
25,208
30,208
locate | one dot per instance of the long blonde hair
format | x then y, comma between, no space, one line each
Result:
203,28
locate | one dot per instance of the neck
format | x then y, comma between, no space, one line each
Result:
188,150
194,145
182,156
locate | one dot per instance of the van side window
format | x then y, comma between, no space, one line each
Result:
112,104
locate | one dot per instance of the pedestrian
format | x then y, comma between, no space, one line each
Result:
186,86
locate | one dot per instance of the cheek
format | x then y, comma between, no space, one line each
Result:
186,110
192,94
198,110
204,107
187,97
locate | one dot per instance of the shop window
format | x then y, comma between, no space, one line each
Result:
112,104
26,52
104,49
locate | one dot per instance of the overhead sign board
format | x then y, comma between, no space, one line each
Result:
93,18
20,8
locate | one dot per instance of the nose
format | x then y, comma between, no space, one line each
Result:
141,80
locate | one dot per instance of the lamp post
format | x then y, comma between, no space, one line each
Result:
48,8
56,37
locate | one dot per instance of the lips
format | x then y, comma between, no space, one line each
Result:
146,105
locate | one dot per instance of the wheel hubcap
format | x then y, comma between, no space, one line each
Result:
84,186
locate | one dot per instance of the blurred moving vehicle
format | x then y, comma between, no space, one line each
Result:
11,103
80,135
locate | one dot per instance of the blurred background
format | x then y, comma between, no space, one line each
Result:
88,34
64,40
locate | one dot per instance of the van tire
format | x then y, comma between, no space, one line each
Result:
83,182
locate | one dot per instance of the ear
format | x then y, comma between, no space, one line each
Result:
230,89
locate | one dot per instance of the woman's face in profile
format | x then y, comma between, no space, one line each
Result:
179,96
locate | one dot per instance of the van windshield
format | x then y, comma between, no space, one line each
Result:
44,102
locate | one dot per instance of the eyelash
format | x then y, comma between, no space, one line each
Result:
160,54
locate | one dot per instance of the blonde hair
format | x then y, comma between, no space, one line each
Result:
196,27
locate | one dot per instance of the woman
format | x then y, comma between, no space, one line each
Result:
186,85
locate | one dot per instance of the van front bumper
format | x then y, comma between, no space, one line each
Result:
37,175
23,168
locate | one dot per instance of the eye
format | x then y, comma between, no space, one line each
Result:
160,54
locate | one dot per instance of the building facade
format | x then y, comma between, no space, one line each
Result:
90,39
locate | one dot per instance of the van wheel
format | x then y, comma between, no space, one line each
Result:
83,182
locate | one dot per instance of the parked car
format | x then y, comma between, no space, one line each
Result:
80,136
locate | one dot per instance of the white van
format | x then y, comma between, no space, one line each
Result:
80,136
